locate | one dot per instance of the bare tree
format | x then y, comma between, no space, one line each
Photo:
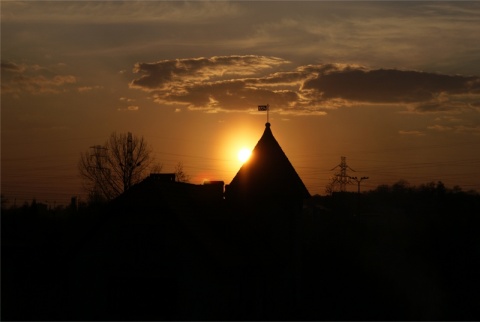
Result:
109,170
180,174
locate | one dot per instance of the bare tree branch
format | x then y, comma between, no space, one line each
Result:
109,170
180,174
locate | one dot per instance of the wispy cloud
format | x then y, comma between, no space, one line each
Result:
389,34
116,11
84,89
8,66
241,82
33,79
411,133
475,129
469,129
130,108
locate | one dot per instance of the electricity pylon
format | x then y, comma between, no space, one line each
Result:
99,155
100,172
341,177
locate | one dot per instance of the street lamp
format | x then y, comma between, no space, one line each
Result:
358,181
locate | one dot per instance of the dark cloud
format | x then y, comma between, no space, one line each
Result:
388,86
8,66
167,73
229,95
433,106
33,79
242,82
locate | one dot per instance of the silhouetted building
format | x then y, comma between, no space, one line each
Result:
267,197
162,189
162,177
174,250
267,192
268,174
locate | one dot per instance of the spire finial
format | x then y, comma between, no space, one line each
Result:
267,125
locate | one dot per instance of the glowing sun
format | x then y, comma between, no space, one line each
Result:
244,154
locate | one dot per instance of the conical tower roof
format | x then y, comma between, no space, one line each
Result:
267,173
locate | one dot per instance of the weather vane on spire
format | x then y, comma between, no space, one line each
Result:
265,108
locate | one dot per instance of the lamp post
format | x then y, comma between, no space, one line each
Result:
358,181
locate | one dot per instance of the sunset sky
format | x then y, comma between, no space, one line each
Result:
392,86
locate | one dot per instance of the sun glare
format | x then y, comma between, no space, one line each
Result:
244,154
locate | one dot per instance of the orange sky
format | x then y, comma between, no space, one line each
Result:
393,86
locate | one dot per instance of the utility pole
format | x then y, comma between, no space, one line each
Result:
341,177
358,181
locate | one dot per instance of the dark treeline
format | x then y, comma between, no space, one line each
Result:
38,243
398,252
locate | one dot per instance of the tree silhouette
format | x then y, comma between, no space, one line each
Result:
180,174
109,170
